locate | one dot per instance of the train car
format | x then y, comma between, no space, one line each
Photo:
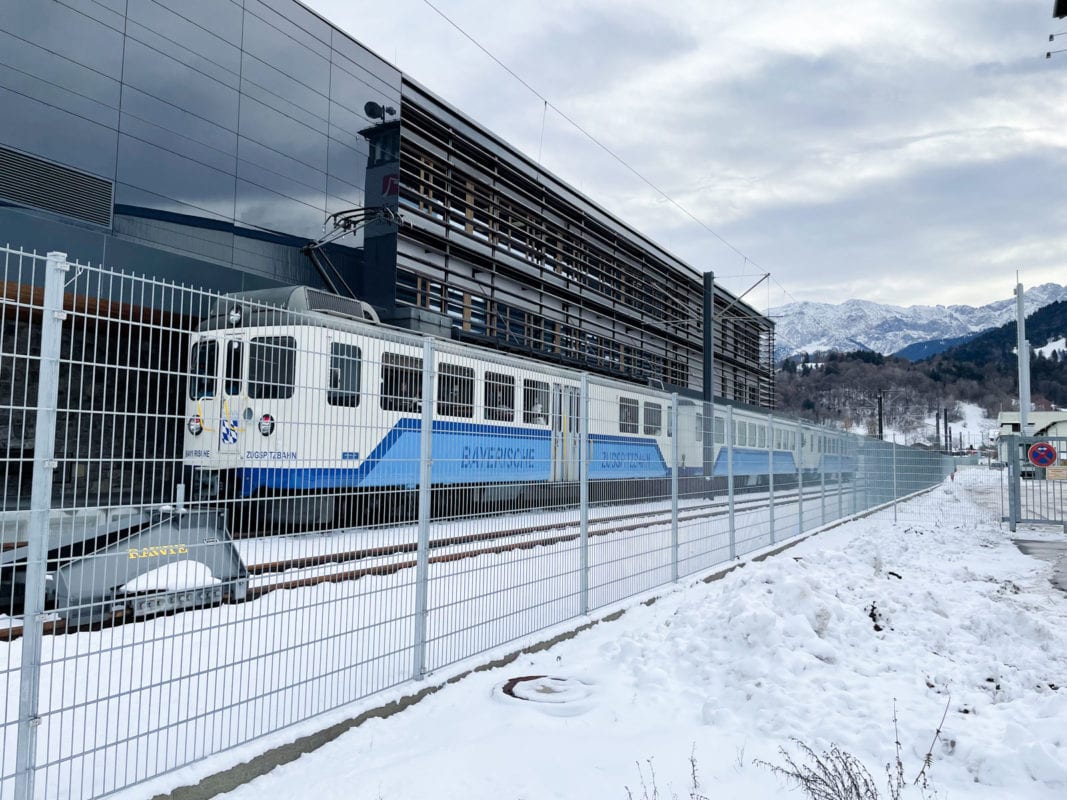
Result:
305,397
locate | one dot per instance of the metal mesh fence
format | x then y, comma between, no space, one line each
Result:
225,515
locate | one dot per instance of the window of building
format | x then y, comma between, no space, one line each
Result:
499,397
345,367
455,391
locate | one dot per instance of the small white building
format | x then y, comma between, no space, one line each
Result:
1040,424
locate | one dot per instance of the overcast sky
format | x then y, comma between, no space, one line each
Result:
905,152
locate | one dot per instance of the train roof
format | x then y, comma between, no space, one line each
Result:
268,306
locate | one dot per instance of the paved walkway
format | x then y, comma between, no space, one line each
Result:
1054,552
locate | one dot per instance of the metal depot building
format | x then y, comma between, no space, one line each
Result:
229,143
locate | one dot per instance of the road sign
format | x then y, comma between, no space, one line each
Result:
1042,454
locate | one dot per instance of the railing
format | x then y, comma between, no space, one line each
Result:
228,530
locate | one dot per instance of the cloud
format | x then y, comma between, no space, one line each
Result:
908,152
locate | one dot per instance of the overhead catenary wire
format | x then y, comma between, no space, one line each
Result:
549,104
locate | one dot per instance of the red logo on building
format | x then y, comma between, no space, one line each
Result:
390,185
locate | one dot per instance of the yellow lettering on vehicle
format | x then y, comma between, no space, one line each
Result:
157,551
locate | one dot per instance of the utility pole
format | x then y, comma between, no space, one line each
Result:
881,419
948,439
1023,350
937,427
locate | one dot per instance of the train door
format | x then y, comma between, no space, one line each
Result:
232,397
566,432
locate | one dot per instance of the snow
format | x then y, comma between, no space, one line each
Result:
856,324
176,576
1056,345
872,625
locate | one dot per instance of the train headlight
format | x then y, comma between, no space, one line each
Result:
266,424
196,426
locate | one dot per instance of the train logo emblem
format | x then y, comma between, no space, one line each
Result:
1042,454
227,431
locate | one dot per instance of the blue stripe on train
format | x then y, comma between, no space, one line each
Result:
464,453
749,461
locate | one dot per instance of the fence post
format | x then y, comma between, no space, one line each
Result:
44,465
894,468
839,455
583,478
1014,483
422,559
730,478
799,453
770,473
674,486
822,477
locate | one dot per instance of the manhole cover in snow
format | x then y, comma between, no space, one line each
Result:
562,697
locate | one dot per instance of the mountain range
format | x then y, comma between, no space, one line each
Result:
863,325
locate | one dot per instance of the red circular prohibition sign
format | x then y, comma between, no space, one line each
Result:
1041,454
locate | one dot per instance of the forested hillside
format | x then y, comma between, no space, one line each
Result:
844,387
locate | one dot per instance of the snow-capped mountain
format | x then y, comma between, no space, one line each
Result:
863,325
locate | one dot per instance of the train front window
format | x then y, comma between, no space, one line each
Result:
203,369
272,367
234,367
345,365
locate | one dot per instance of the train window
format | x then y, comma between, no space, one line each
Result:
499,397
629,412
535,402
272,367
700,427
234,365
455,391
401,383
653,419
740,434
720,431
203,370
761,432
345,366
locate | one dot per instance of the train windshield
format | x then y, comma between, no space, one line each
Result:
272,367
203,369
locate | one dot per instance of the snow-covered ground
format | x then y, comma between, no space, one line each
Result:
871,631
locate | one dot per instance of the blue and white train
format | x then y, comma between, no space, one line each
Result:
297,394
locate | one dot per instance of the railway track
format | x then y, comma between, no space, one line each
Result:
307,570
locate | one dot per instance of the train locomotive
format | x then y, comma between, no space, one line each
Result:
307,400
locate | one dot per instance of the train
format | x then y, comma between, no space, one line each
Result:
307,400
303,411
